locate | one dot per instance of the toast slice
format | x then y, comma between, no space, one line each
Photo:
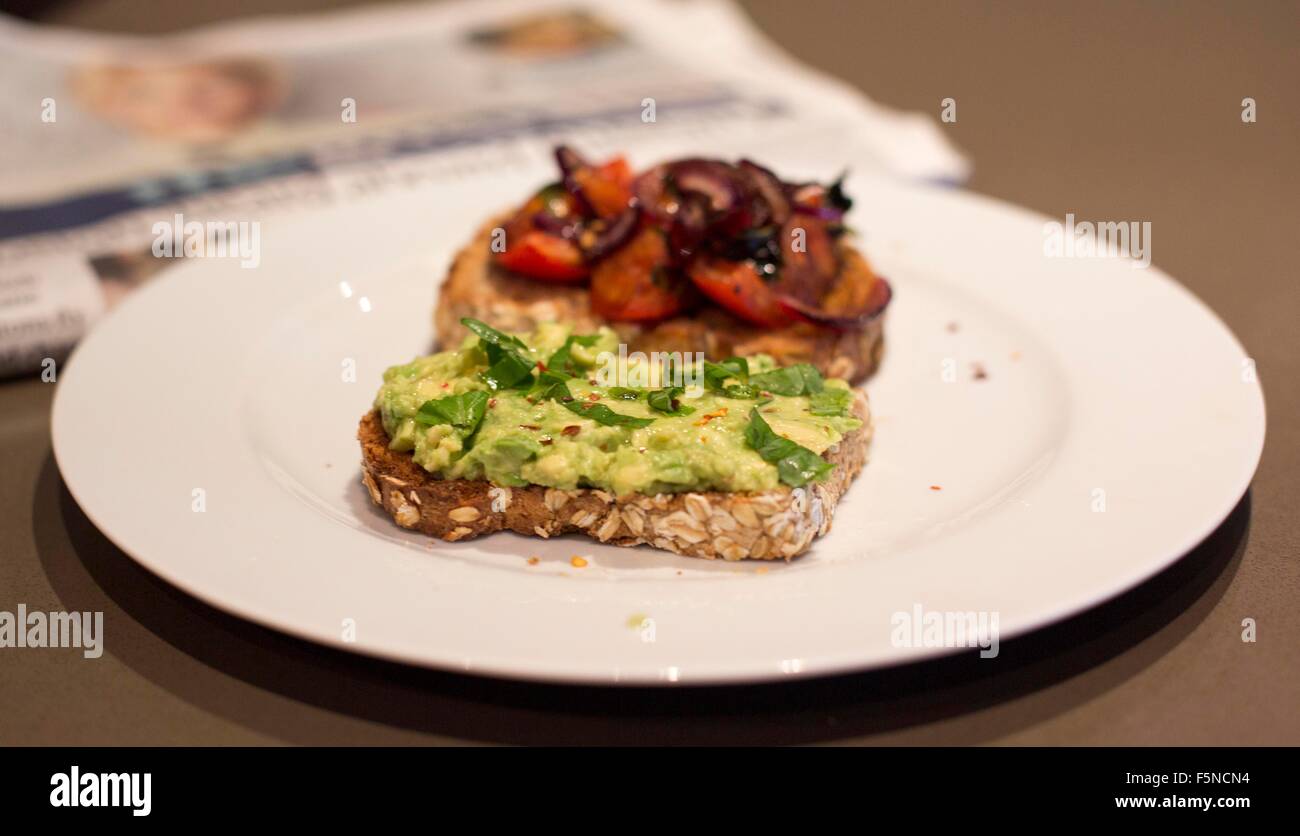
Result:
476,288
780,523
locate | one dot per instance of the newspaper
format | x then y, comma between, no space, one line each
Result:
108,136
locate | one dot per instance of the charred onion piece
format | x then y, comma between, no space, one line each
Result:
768,187
814,199
570,161
712,178
615,234
881,293
650,194
690,226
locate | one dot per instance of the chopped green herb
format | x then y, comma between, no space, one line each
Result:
510,371
623,393
464,411
830,401
795,465
508,366
550,385
741,391
716,374
602,414
792,381
562,360
668,401
492,336
553,386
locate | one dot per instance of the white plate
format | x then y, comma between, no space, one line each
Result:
1106,386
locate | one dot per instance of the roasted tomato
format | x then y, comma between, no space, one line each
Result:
538,240
737,286
638,281
606,188
540,255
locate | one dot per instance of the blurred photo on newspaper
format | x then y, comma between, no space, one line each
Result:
121,153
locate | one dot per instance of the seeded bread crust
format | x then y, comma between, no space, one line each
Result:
476,288
768,525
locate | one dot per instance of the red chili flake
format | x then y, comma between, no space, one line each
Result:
709,416
593,397
572,429
529,427
935,488
492,402
541,365
446,385
977,371
592,382
546,442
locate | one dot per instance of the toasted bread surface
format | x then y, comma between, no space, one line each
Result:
475,287
766,525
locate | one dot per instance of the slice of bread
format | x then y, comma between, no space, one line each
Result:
476,288
779,523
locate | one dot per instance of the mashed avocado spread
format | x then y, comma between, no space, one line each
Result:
569,411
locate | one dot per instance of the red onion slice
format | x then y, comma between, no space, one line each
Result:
768,187
881,293
615,235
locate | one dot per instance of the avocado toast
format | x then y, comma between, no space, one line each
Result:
557,433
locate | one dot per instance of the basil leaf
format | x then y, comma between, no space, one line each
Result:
464,411
716,374
602,414
623,393
557,390
795,465
492,336
550,385
509,371
792,381
739,390
830,401
667,401
562,360
509,366
802,466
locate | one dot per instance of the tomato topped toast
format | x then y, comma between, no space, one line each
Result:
690,255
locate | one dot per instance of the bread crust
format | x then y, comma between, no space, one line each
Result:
766,525
477,288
